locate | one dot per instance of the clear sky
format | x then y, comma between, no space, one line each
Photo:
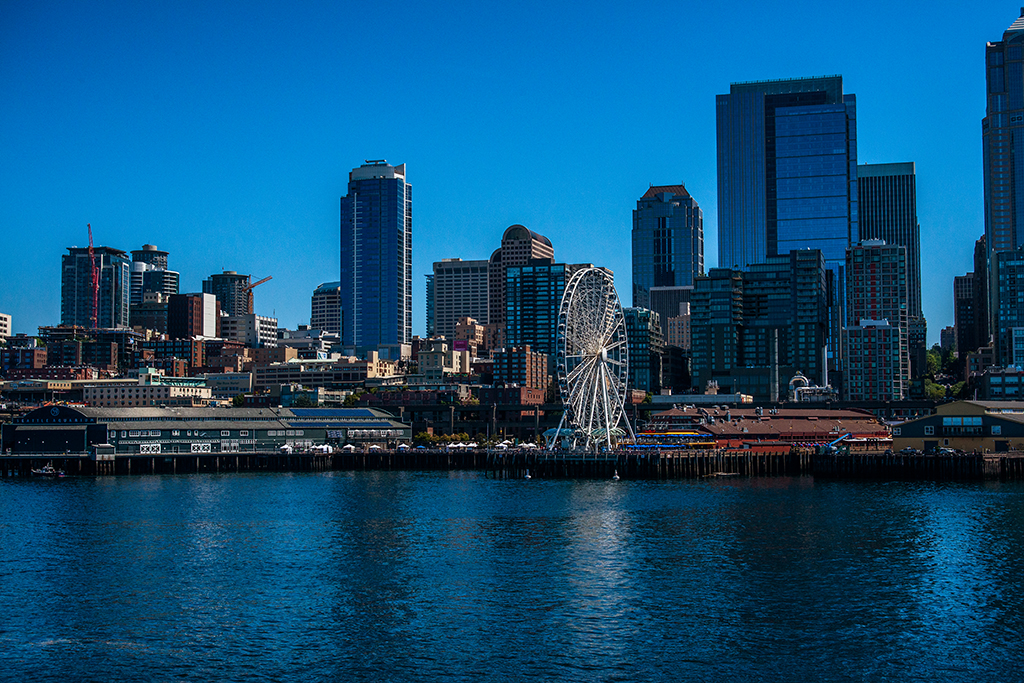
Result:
223,132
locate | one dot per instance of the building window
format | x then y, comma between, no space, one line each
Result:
929,430
997,430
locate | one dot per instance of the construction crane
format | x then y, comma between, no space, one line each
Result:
248,291
95,281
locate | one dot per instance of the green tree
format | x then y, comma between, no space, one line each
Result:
238,401
304,401
933,391
351,400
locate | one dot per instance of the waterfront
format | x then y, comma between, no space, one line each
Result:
453,576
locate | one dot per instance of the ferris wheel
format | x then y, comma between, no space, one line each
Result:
592,362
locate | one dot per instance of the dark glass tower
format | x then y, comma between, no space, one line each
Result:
1002,133
76,294
787,170
376,256
668,243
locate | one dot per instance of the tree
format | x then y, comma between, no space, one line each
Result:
933,391
304,401
351,400
238,401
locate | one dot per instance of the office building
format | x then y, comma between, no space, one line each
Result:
193,315
1002,133
255,331
430,304
325,308
232,290
460,290
376,256
518,246
521,366
753,330
76,290
1008,278
668,244
876,339
150,275
646,349
5,326
963,314
947,339
887,205
787,170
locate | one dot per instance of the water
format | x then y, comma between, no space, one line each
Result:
451,576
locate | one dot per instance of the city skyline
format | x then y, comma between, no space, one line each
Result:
164,129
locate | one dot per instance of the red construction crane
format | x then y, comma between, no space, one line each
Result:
248,290
95,280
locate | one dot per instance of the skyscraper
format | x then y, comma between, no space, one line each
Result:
668,244
325,308
877,334
460,290
376,256
150,274
76,293
233,292
787,170
1002,134
518,245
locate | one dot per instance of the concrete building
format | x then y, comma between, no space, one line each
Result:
677,331
439,359
255,331
325,308
376,256
5,326
460,290
76,291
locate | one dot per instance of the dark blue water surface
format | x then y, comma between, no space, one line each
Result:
452,576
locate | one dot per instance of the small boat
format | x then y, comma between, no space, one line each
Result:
615,477
527,475
48,471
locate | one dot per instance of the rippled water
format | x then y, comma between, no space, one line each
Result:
451,576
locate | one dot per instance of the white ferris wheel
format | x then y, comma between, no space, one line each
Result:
592,361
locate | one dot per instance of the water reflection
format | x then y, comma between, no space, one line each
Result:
452,576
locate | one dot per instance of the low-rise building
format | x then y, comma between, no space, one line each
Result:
965,425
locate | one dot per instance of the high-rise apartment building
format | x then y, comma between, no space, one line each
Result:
787,170
668,245
1008,278
646,349
376,256
325,308
460,290
150,275
876,338
1002,133
518,245
233,292
76,292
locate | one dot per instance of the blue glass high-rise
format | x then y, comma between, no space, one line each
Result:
787,170
376,256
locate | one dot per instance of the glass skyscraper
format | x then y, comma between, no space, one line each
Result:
376,256
1002,132
668,243
787,170
76,294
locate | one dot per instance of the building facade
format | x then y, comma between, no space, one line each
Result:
753,330
149,274
193,315
460,290
518,245
646,349
521,366
255,331
1002,134
1008,279
376,256
668,242
963,313
76,292
876,338
787,170
325,308
5,326
232,290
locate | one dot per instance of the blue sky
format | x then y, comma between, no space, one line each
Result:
224,132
